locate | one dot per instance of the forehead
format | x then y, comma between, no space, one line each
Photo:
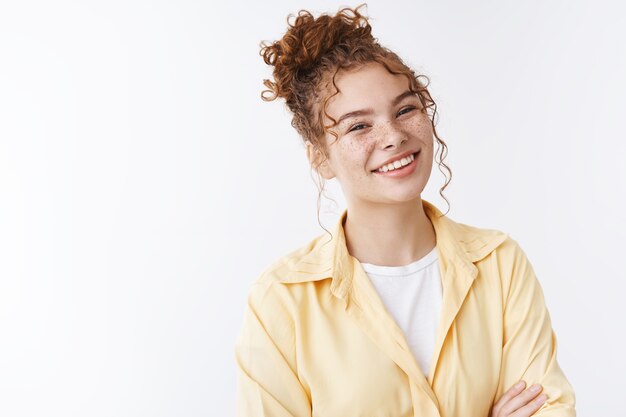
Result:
369,86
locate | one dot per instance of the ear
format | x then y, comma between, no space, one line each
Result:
318,161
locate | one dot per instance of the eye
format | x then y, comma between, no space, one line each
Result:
353,128
406,110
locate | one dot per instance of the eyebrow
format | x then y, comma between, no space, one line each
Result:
362,112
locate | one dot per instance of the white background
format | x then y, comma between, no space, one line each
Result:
144,184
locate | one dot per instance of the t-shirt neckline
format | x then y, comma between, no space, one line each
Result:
401,270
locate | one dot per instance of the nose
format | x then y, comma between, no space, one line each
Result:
392,137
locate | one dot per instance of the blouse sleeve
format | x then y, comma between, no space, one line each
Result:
529,342
267,380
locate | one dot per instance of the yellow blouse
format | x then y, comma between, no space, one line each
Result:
317,340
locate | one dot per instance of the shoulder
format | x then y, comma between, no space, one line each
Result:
482,243
503,258
477,236
311,258
477,243
308,262
499,257
276,297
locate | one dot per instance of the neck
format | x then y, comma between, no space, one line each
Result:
389,234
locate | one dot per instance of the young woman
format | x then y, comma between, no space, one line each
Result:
402,311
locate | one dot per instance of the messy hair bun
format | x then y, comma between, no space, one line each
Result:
308,57
312,50
309,40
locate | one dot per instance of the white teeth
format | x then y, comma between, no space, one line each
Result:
397,164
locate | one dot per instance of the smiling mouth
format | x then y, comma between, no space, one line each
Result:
397,165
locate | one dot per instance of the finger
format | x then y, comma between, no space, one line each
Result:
508,396
530,408
521,399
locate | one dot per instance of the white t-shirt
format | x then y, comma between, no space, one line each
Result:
412,294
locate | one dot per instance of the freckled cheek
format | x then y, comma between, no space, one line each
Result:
356,154
418,125
422,129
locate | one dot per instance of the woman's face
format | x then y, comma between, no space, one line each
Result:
388,127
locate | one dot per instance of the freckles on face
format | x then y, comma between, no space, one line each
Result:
421,129
355,155
349,156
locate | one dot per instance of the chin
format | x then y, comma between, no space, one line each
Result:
391,197
407,198
405,194
398,194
